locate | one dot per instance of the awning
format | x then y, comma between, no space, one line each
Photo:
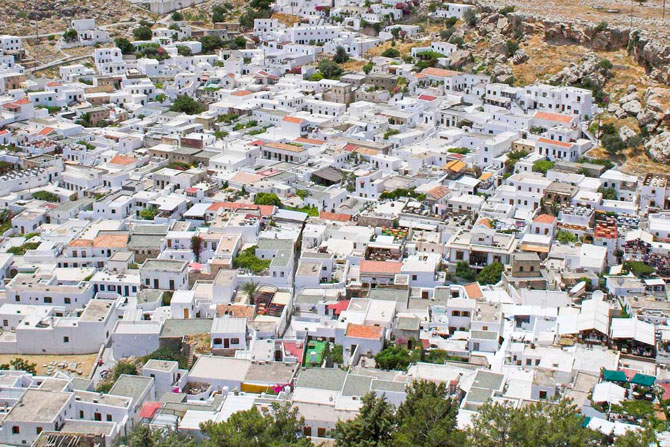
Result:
149,409
608,392
614,376
643,379
328,174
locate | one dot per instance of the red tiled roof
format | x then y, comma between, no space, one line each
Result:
46,131
241,93
363,331
438,192
310,141
473,291
266,210
338,217
545,219
292,119
427,98
439,72
122,160
381,267
554,142
548,116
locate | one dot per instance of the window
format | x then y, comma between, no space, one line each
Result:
217,341
47,299
66,300
109,418
543,394
235,341
38,430
16,430
66,339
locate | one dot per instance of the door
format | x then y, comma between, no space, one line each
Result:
186,314
226,343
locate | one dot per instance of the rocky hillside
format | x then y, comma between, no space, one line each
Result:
29,17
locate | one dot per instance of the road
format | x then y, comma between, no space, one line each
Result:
57,62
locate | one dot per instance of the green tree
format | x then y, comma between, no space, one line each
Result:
211,42
250,289
19,364
543,166
367,68
470,17
263,198
186,104
542,424
177,16
124,45
218,13
613,144
372,427
143,436
329,69
464,271
491,274
391,52
142,33
341,55
427,417
279,427
70,35
196,247
637,438
566,237
393,357
183,50
124,367
608,193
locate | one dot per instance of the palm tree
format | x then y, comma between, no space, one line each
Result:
250,288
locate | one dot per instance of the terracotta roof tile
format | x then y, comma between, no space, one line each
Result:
363,331
381,267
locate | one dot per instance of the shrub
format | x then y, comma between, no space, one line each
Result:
605,64
263,198
470,17
512,46
613,143
186,104
565,237
247,260
70,35
341,55
464,271
391,52
491,274
543,166
142,33
46,196
329,69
